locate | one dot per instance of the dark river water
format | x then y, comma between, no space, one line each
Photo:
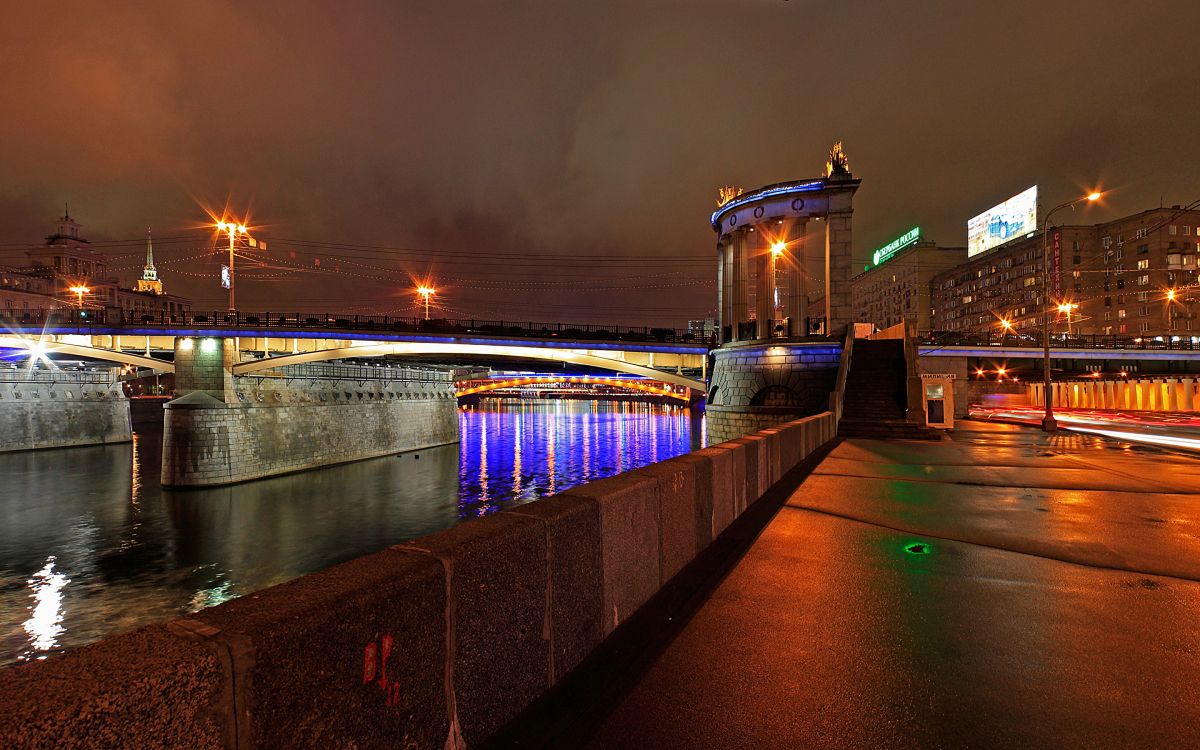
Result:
91,545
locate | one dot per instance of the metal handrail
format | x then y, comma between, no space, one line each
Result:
838,397
1060,340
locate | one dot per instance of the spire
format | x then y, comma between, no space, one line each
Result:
149,273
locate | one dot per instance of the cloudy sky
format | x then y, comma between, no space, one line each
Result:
558,160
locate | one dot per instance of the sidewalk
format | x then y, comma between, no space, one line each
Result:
1002,588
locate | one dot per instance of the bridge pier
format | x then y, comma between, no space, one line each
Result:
223,428
42,408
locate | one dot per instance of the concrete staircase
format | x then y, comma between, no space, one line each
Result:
876,396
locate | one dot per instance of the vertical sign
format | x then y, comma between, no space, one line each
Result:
224,277
1056,265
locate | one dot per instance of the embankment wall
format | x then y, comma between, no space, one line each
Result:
57,413
435,643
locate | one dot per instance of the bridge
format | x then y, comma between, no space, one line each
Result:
489,385
270,340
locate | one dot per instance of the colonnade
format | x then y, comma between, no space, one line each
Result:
1141,394
747,249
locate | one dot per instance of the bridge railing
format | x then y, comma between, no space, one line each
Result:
23,374
112,317
359,372
1058,340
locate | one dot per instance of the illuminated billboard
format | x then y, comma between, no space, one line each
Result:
887,251
1015,217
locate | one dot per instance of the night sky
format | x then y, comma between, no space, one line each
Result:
559,160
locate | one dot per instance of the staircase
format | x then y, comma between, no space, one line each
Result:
876,394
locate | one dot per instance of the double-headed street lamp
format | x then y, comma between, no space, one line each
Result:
426,292
1048,422
234,229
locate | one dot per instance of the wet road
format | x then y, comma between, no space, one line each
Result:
1000,589
91,544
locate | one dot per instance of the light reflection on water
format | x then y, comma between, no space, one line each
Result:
91,545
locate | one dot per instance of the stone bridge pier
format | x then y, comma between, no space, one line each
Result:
222,428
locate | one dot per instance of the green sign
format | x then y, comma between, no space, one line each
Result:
887,251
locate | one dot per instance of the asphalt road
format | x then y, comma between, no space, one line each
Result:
1002,588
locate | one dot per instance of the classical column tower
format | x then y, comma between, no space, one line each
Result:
784,261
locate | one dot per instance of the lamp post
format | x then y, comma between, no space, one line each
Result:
777,250
79,290
1171,297
234,229
426,292
1048,422
1067,308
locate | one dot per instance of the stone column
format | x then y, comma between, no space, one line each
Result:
797,310
763,284
1186,389
722,297
838,267
741,282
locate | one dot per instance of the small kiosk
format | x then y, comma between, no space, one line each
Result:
937,396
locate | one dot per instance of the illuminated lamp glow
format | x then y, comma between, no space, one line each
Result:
185,344
208,346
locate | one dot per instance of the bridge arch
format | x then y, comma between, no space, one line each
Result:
39,346
570,356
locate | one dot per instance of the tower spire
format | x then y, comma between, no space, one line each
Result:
149,281
150,254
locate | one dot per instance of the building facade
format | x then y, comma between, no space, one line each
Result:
1133,276
58,270
895,288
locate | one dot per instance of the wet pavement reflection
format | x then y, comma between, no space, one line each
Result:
91,545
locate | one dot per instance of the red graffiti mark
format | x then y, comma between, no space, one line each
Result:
368,663
387,650
375,658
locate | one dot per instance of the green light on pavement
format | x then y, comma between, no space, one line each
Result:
917,548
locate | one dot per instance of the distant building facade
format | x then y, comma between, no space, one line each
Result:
1135,275
895,288
67,260
703,329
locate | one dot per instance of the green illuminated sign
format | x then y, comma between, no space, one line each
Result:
887,251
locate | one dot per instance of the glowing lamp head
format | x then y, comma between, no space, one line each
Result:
78,289
1006,324
1001,371
425,290
1170,295
241,228
1094,196
221,226
778,248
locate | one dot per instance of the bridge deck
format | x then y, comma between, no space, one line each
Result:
972,592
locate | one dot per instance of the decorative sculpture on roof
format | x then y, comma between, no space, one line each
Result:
726,194
838,165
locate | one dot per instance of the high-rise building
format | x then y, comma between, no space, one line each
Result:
1132,276
894,287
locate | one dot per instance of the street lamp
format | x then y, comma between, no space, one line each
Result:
1066,308
234,229
1048,422
79,290
777,249
426,292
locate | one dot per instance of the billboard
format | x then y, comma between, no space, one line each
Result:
1015,217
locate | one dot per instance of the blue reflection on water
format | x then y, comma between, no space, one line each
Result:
516,451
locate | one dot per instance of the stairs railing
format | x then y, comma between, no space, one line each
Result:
837,399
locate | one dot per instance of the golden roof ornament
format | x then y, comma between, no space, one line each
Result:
726,194
838,165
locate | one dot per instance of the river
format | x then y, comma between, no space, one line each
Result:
91,545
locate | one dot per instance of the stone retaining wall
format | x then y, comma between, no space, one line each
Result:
55,414
435,643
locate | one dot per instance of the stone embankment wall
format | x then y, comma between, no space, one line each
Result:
59,409
436,643
756,386
277,425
